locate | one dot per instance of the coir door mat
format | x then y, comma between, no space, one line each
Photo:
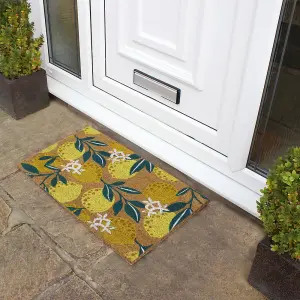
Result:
123,198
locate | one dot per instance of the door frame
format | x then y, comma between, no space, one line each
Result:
231,169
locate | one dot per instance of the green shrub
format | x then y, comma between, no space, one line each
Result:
19,50
279,206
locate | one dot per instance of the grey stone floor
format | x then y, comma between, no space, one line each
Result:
46,254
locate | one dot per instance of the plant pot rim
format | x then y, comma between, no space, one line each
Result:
15,79
267,242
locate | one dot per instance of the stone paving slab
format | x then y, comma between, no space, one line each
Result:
199,261
21,138
27,266
62,227
70,288
4,214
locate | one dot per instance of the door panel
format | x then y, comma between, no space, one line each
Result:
183,43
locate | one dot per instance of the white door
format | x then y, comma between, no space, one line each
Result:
197,46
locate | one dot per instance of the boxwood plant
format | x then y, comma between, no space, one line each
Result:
19,49
279,206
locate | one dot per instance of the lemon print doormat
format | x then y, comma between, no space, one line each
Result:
123,198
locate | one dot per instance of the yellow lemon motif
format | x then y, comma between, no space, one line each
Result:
164,175
158,225
84,216
92,173
94,201
65,192
68,151
90,130
132,255
40,164
123,232
121,170
50,148
161,191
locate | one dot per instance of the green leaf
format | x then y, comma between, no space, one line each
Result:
137,203
97,143
45,157
143,249
129,190
62,179
132,212
30,168
54,181
77,212
108,192
137,166
86,156
104,153
117,183
79,145
71,208
183,191
176,206
134,156
88,138
149,166
46,189
118,207
100,160
179,218
50,161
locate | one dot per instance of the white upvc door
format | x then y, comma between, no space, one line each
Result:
198,46
221,50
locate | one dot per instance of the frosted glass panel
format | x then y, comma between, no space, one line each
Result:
62,33
278,126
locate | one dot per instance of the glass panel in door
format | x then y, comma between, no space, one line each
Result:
278,126
62,34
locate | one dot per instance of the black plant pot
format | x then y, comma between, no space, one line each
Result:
276,276
25,95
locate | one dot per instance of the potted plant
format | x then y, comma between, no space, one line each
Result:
23,84
276,268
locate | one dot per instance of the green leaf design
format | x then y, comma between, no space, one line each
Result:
137,166
104,153
179,218
118,207
46,189
129,190
137,203
62,179
88,138
176,206
108,192
99,159
54,181
86,156
75,210
183,191
50,161
132,212
149,166
45,157
97,143
134,156
78,212
79,145
30,168
117,183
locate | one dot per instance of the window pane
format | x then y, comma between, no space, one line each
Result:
278,126
62,33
